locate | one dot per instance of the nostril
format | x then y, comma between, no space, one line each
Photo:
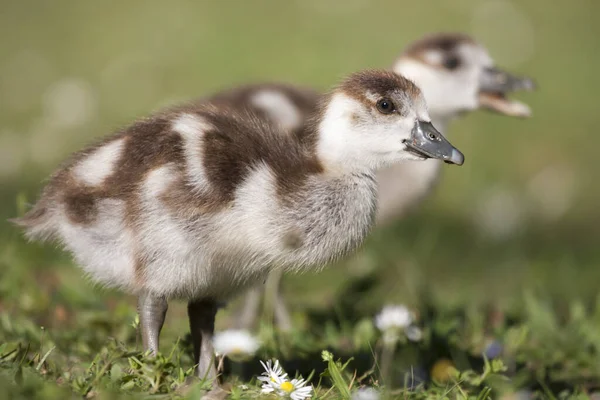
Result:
433,136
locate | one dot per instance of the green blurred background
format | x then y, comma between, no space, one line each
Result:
521,214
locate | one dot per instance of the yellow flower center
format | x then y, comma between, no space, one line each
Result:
236,350
287,386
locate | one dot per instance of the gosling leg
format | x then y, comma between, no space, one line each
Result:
246,318
275,299
152,311
202,314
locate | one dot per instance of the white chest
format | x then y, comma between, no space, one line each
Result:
225,252
402,186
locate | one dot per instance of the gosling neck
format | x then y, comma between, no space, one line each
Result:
334,146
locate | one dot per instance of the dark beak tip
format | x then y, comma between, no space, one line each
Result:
529,84
456,158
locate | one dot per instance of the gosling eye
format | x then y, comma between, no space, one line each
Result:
451,63
385,106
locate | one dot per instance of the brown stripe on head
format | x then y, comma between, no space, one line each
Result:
371,85
445,45
438,41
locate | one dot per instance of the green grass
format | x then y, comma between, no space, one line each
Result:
534,289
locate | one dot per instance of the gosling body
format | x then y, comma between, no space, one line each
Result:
199,202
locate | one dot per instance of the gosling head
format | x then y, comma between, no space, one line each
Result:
376,118
456,74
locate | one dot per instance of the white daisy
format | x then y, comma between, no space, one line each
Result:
413,333
272,377
235,343
272,384
393,317
296,389
275,381
366,393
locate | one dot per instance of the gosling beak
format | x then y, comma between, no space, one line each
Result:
494,84
425,141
